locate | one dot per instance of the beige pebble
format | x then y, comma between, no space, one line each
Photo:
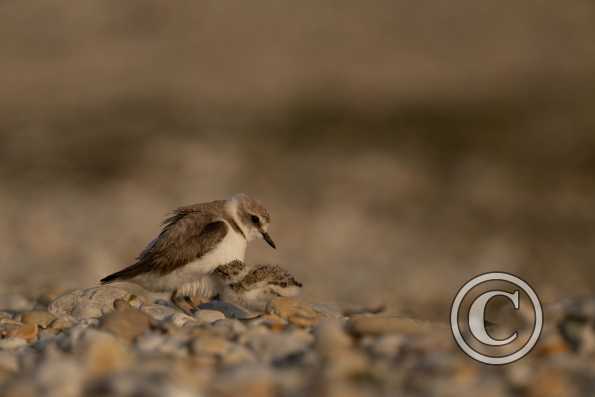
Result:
5,316
9,361
27,332
87,303
228,328
346,363
62,323
7,327
274,322
127,323
552,344
20,389
253,382
551,382
38,317
48,332
210,345
105,354
181,319
209,316
303,321
12,343
9,321
372,305
237,355
158,312
339,389
331,337
296,312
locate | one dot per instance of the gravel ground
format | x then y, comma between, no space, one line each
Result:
107,341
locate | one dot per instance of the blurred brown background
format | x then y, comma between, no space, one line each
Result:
402,147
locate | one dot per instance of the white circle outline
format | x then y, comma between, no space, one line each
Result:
454,323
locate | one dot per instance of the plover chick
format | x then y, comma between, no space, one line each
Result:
253,287
195,240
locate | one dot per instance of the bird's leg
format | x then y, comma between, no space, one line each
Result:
194,301
198,299
181,302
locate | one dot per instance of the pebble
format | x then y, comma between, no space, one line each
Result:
552,382
127,323
331,337
87,303
373,307
163,344
104,354
302,320
8,362
228,328
387,345
19,389
552,345
150,342
209,316
272,321
276,346
38,317
158,312
8,326
341,389
295,311
249,381
27,332
12,343
58,374
346,363
210,345
48,333
238,355
14,302
62,323
181,319
5,316
328,310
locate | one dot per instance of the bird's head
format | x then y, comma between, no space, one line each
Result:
252,217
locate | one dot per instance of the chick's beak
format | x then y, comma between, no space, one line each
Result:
269,240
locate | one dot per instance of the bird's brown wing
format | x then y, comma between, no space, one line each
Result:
187,235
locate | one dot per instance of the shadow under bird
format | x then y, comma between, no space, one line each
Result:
193,242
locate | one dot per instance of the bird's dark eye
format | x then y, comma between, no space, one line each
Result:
255,219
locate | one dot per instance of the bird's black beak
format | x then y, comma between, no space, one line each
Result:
269,240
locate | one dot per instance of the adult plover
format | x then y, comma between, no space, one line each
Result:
253,287
195,240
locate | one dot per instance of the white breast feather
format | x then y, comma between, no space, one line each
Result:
188,279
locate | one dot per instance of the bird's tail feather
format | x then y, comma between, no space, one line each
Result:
123,274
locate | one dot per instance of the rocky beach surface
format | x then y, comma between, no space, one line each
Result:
106,341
